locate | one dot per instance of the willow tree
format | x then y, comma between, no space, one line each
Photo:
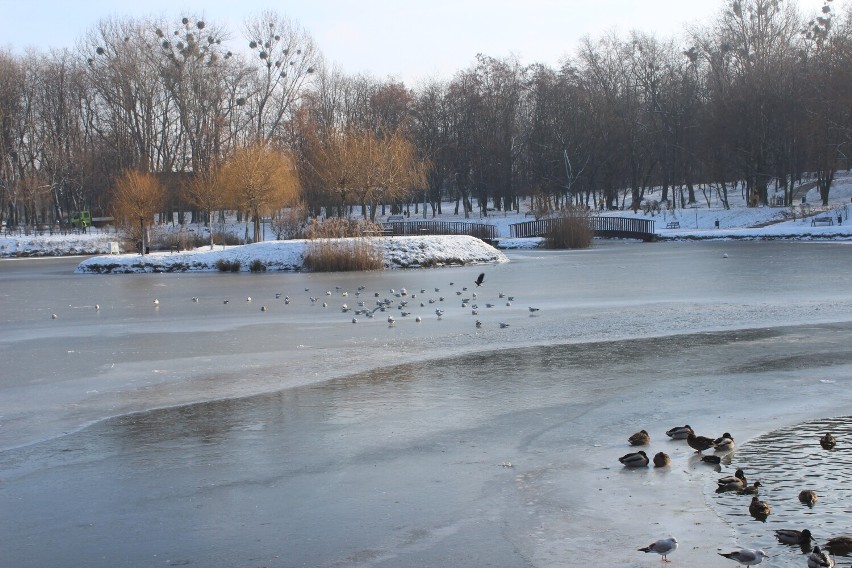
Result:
260,179
137,198
205,192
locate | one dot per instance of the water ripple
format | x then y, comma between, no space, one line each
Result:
785,462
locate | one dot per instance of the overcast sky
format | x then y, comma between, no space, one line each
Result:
407,40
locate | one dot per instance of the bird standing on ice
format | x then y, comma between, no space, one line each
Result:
662,547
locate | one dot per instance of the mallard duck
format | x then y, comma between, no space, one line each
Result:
750,489
635,459
699,443
640,438
808,497
661,459
679,432
733,482
839,545
725,443
715,460
663,547
759,509
793,536
828,441
819,559
746,556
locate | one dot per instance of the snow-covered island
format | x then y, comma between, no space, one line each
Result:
397,252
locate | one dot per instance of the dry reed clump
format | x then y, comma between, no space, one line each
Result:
341,255
340,228
571,229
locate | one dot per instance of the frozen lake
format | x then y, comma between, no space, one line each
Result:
293,437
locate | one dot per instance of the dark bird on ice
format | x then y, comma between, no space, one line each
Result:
636,459
699,443
640,438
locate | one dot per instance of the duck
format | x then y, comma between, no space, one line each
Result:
750,489
839,545
819,559
699,443
640,438
828,441
759,509
793,536
808,497
661,459
725,443
732,482
635,459
713,460
679,432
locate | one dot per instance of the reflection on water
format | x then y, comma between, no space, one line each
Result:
785,462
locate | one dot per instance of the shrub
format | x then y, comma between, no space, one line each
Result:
339,228
257,266
224,265
571,229
339,255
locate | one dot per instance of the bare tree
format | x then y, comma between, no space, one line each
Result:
138,196
285,59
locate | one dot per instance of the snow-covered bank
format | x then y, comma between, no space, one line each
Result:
397,252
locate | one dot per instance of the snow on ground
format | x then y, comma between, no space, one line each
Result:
698,222
397,252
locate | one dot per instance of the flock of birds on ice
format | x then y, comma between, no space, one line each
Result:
401,299
818,556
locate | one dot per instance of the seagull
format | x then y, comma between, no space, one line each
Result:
225,301
478,324
439,313
391,321
354,320
479,279
97,307
746,556
156,302
54,316
195,299
418,319
793,536
263,308
635,459
503,325
533,310
663,547
248,299
679,432
819,559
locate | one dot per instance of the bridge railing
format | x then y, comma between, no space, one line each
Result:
627,227
479,230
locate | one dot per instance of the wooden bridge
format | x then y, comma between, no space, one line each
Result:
612,227
479,230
